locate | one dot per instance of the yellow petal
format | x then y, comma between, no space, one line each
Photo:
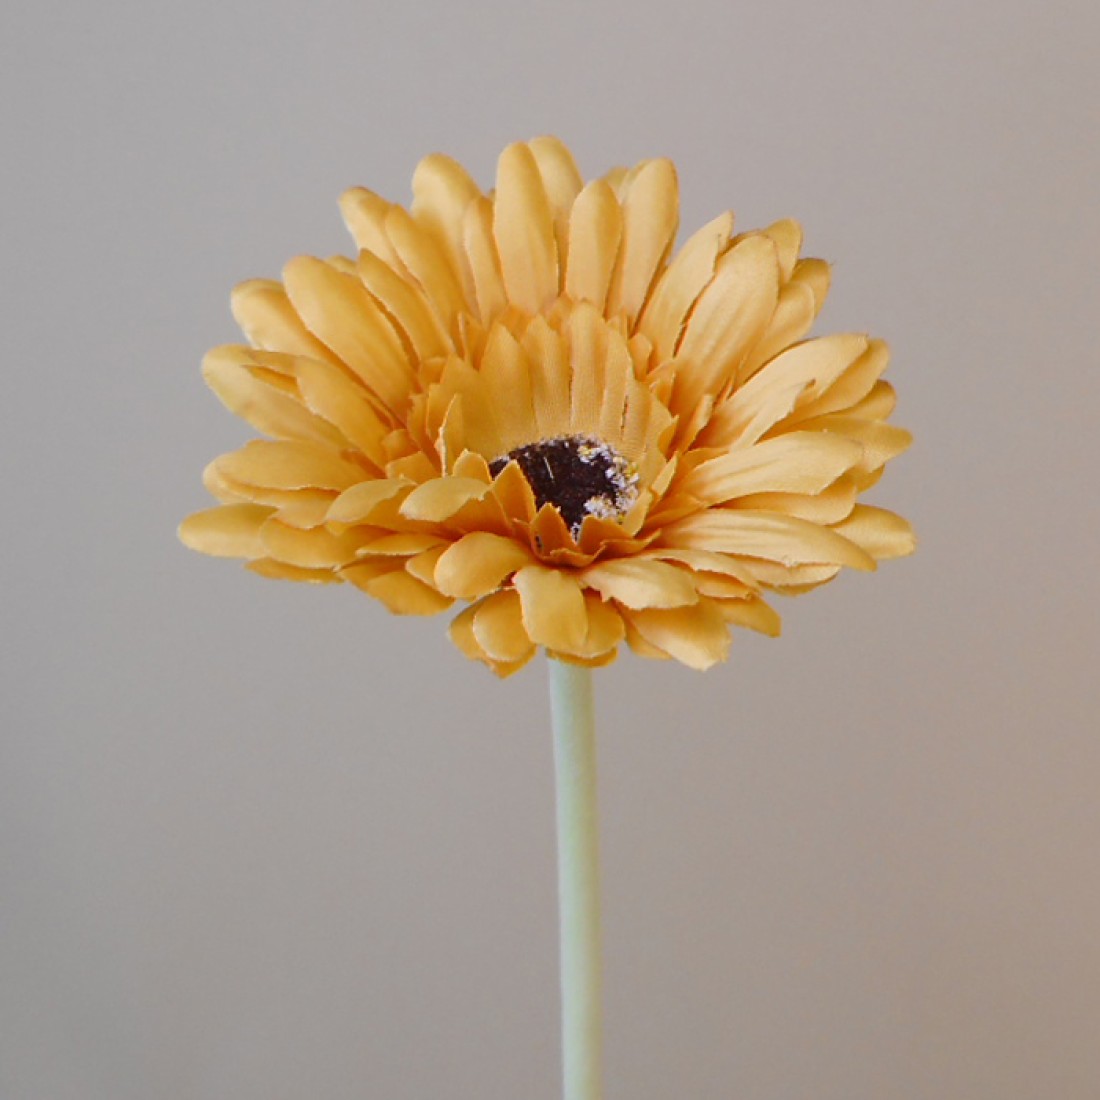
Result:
817,275
617,179
734,308
439,499
562,183
552,536
220,488
512,492
338,310
427,262
878,404
705,561
507,376
331,394
794,315
273,368
614,537
881,442
300,500
729,317
766,535
602,661
797,462
484,263
477,564
442,190
743,418
229,531
799,374
470,464
279,464
409,459
638,583
266,408
881,533
647,428
560,176
406,304
282,571
461,633
401,544
640,646
828,507
618,374
696,636
505,669
682,283
344,264
524,231
587,348
851,387
316,548
549,378
595,230
263,311
306,508
787,237
815,363
360,572
692,422
721,588
792,578
357,504
651,214
403,594
606,628
399,591
499,630
751,612
365,216
553,607
422,565
481,515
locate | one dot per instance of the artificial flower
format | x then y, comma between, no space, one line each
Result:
529,403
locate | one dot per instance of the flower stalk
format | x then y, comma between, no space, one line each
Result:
573,720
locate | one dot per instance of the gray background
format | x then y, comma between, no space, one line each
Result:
263,841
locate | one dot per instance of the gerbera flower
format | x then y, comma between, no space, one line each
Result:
527,402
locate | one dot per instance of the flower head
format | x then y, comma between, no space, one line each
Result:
528,402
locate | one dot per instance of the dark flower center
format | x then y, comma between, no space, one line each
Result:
579,475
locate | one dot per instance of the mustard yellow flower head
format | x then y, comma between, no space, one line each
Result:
527,402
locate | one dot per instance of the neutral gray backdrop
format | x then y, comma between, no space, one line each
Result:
263,842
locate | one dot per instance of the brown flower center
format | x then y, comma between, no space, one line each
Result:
579,475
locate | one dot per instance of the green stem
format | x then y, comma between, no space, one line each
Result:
573,718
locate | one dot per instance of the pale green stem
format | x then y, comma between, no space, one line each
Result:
573,719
